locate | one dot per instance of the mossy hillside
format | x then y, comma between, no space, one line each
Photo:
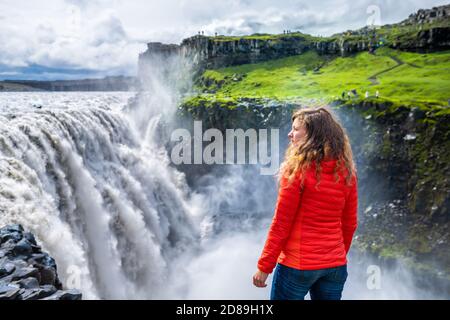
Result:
401,77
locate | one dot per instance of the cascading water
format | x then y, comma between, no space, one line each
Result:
100,199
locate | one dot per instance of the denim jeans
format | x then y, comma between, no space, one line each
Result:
322,284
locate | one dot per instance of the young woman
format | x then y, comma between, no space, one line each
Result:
316,212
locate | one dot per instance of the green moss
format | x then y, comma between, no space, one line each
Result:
209,101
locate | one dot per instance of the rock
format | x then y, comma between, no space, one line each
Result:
30,237
48,276
14,228
27,273
65,295
8,292
22,247
6,269
14,236
28,283
38,293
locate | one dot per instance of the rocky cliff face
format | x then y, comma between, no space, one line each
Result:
429,15
27,273
405,151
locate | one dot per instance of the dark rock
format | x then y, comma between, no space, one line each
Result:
8,247
30,237
26,272
38,293
48,276
14,228
6,269
23,247
14,236
65,295
28,283
19,263
4,281
42,260
8,292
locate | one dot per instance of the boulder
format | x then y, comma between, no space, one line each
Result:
27,273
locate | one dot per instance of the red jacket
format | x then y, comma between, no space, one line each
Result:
312,229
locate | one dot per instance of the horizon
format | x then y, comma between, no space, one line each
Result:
78,40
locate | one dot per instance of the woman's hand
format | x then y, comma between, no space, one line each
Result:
259,279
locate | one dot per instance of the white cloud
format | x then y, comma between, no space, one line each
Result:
109,34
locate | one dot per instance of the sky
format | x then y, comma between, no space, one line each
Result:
75,39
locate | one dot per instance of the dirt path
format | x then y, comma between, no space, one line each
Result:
373,78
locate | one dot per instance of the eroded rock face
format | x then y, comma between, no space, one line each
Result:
27,273
429,15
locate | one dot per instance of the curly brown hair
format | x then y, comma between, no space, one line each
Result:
325,139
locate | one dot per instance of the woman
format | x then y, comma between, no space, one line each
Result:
316,212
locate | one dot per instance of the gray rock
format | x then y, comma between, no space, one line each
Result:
23,247
14,228
6,269
28,283
26,273
42,260
71,294
15,236
8,292
30,237
19,263
48,276
38,293
4,281
8,246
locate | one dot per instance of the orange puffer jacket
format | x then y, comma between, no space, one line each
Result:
312,228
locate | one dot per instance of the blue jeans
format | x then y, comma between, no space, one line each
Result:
322,284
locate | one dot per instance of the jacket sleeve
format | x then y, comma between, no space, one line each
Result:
285,211
350,215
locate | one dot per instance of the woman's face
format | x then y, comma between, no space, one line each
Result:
298,132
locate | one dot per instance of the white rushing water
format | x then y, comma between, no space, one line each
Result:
99,198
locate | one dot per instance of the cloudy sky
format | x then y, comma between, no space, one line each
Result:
67,39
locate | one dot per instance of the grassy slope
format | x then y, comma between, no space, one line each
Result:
408,78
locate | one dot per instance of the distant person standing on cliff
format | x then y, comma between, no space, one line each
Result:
316,212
